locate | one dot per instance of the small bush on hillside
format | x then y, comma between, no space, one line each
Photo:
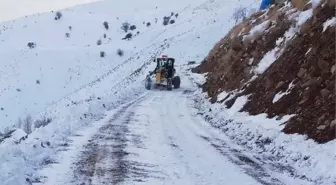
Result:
133,27
58,15
99,42
125,26
120,52
31,45
166,20
104,35
239,14
102,54
176,15
25,124
106,25
70,28
38,82
148,24
42,123
172,21
67,35
128,36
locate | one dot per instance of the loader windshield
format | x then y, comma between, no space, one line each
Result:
161,62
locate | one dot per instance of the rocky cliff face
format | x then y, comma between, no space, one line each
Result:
283,60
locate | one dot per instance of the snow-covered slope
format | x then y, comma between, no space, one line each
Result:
13,9
64,78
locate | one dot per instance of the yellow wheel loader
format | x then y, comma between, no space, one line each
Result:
165,75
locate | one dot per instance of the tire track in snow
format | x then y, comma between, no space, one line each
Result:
105,159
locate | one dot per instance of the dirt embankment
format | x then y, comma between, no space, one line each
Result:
275,53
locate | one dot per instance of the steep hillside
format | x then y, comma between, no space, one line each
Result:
282,61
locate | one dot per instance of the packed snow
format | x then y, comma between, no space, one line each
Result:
257,30
279,95
300,158
329,22
271,56
13,9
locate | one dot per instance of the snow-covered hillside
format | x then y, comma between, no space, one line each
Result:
34,79
64,77
14,9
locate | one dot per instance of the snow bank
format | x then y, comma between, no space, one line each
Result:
297,156
281,94
330,22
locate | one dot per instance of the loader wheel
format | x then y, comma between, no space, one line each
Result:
176,82
169,85
148,84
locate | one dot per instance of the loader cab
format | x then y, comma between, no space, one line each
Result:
165,62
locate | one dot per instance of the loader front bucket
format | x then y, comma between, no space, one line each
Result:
158,77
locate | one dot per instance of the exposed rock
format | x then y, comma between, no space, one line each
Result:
321,127
268,84
312,82
302,72
332,70
323,65
237,44
333,124
280,85
325,93
313,72
321,119
326,75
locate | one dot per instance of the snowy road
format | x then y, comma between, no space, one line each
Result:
159,139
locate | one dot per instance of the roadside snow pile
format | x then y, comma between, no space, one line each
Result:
329,22
279,95
283,82
263,138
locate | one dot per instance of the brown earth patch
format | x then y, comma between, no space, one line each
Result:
235,57
307,62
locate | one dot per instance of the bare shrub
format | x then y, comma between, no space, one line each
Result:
31,45
125,26
42,122
120,52
239,14
106,25
99,42
58,15
102,54
25,124
133,27
166,20
128,36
